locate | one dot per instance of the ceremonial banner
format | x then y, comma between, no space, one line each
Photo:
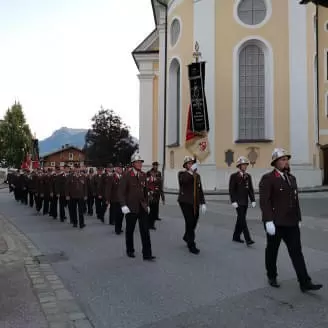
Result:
197,124
196,142
199,115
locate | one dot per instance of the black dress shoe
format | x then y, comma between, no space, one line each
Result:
273,283
131,255
310,286
194,250
238,240
149,258
250,242
82,226
152,228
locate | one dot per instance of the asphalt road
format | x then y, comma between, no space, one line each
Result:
223,286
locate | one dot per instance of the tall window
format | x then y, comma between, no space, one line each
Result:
252,12
174,104
175,32
251,93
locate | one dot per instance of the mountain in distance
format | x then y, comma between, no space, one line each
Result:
63,136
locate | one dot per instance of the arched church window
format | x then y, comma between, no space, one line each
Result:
251,93
174,104
175,31
252,12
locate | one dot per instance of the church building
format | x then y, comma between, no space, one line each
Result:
266,86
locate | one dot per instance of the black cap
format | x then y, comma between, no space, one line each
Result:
77,166
66,165
119,165
155,164
57,167
99,168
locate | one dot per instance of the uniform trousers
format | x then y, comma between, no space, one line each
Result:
62,205
76,211
191,219
292,238
31,198
16,194
46,203
131,220
154,212
24,198
241,224
54,206
90,203
38,202
99,207
116,216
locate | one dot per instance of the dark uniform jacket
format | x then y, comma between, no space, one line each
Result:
279,200
241,188
155,185
186,188
107,184
98,185
32,182
76,186
60,184
90,184
132,191
46,185
115,185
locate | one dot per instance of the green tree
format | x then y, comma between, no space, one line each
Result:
323,3
15,137
109,140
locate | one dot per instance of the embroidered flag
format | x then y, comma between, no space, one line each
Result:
196,143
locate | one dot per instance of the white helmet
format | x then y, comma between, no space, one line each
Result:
136,157
279,153
242,160
187,159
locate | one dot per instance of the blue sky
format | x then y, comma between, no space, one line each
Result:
63,59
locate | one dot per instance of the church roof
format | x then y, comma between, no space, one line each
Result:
150,45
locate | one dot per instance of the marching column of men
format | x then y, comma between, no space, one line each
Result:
136,195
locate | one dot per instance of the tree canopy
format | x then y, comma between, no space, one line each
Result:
109,140
15,137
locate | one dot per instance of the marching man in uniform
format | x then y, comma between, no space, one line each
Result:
191,199
133,196
240,189
155,189
281,215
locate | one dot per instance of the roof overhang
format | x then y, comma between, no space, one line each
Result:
147,49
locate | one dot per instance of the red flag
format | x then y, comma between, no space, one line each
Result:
189,133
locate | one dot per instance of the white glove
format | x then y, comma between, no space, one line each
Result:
253,204
125,210
148,209
235,205
194,167
203,208
270,228
299,224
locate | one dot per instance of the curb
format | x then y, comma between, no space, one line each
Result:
57,303
226,192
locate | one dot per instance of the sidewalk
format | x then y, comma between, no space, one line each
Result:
31,294
221,192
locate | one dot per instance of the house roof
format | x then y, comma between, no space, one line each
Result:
61,150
